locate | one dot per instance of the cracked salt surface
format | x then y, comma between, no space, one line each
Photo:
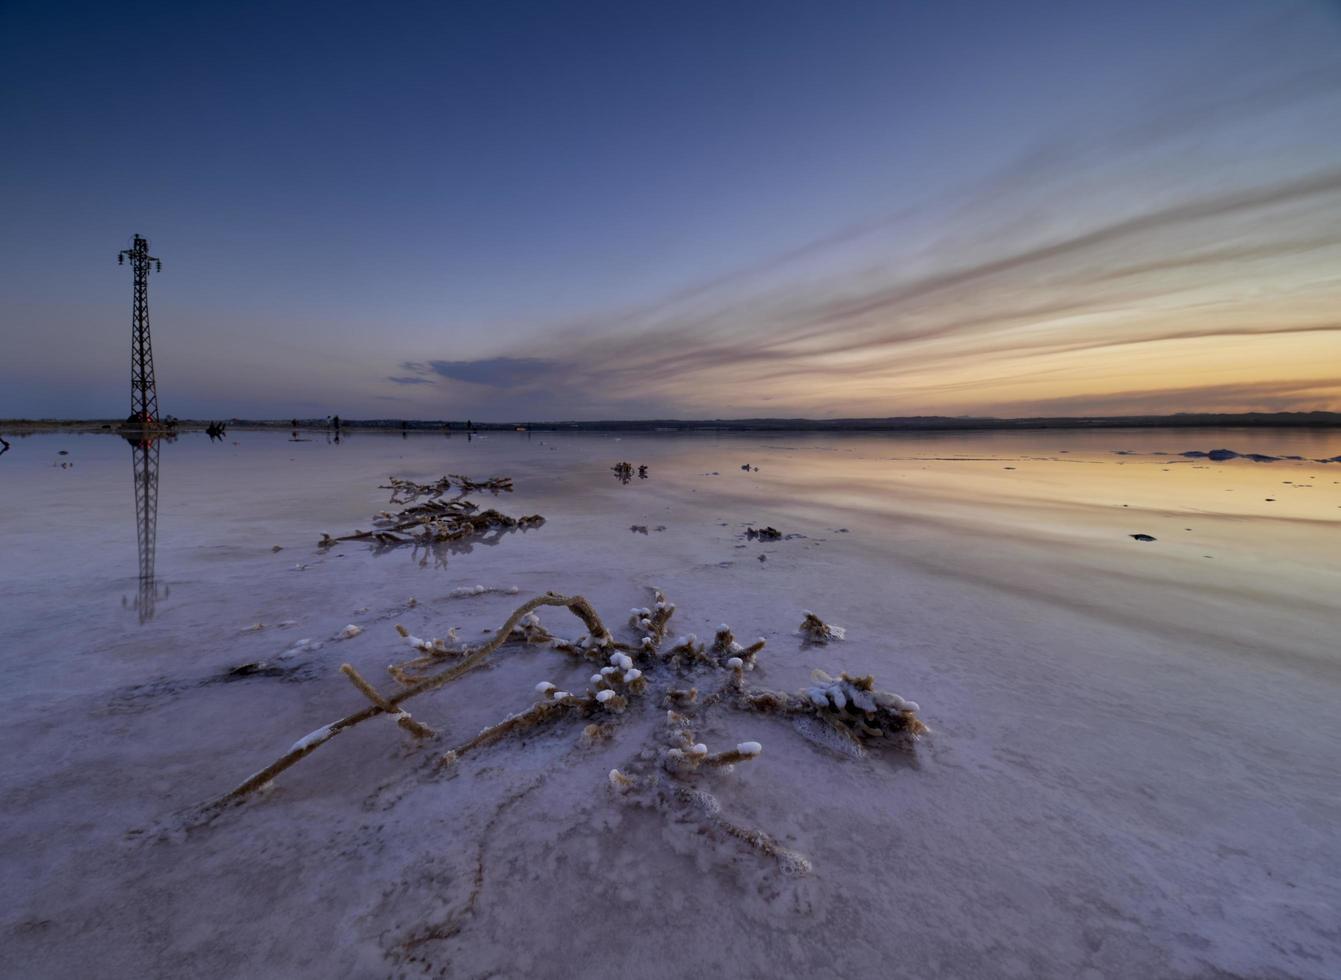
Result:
1131,771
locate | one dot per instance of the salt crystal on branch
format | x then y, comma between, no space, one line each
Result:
312,739
816,630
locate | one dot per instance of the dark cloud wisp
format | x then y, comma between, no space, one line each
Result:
495,372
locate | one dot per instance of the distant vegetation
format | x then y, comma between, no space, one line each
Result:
897,424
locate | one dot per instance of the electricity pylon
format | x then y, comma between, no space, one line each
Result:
143,391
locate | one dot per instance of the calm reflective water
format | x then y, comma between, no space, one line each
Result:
1132,769
105,535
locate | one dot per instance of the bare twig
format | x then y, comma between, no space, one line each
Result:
310,743
415,728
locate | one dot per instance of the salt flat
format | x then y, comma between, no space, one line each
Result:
1131,769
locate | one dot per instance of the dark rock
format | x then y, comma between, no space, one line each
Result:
258,668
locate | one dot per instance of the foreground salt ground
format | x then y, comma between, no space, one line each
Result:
1108,791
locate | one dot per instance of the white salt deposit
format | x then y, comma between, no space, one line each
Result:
312,738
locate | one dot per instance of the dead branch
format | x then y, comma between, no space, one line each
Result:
434,520
415,728
844,712
309,743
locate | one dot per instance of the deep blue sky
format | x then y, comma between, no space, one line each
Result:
346,193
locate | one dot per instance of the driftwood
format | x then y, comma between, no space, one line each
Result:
849,708
435,520
309,743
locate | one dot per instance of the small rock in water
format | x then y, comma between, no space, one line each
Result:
258,668
1143,537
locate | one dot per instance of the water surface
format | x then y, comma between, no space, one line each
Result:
1131,771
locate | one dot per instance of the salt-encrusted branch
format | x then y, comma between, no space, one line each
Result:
415,728
674,783
850,706
842,713
792,863
541,712
434,520
305,746
423,529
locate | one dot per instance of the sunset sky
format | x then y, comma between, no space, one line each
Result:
549,210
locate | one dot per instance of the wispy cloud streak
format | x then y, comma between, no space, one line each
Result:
1041,281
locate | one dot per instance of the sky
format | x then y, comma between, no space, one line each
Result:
582,210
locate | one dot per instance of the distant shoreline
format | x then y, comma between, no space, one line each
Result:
1265,420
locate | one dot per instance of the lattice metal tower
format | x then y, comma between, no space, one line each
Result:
143,391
